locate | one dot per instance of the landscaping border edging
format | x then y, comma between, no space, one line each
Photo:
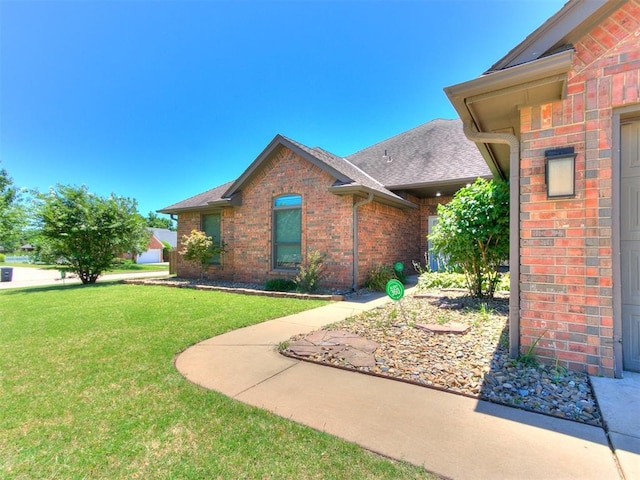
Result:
239,290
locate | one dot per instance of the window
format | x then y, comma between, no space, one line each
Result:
287,231
211,227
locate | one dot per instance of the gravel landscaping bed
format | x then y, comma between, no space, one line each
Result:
475,363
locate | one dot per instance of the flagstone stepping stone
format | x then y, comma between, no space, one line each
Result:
322,337
349,347
451,327
358,358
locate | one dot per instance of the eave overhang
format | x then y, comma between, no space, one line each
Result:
380,197
433,189
492,102
210,207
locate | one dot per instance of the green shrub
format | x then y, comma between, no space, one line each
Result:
433,280
280,285
473,233
2,257
123,263
379,276
430,280
504,284
311,272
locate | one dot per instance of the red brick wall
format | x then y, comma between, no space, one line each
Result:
566,247
386,234
326,219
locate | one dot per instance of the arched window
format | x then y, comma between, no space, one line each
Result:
287,231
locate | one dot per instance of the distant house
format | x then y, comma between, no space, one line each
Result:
559,116
371,208
155,248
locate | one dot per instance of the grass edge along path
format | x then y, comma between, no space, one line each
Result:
88,390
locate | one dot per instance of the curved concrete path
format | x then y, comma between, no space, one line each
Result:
451,435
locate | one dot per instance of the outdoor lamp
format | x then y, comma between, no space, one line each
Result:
560,168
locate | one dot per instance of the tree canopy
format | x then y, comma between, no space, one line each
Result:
87,232
200,248
472,233
156,221
13,216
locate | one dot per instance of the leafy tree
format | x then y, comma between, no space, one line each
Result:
156,221
88,232
200,248
473,233
13,216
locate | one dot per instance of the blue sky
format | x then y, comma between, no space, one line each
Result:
161,100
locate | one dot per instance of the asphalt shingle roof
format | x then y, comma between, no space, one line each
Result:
200,200
437,151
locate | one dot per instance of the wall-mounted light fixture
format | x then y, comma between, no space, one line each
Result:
560,172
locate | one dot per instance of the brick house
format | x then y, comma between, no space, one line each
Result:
370,208
570,92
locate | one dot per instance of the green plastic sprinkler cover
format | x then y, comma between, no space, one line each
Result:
395,289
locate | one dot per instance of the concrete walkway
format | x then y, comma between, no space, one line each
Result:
451,435
619,401
34,277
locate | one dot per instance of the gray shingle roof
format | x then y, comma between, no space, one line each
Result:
198,201
434,152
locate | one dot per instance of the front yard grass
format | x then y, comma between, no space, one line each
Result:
88,390
127,268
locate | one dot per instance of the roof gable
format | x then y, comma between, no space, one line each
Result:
559,32
345,173
350,179
280,141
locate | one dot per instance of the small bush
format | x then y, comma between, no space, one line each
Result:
378,277
311,272
280,285
433,280
123,263
429,280
2,257
504,284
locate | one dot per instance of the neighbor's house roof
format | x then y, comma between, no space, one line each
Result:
433,158
534,72
166,235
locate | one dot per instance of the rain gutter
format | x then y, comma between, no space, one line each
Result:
369,199
514,218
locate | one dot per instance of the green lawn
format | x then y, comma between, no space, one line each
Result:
88,390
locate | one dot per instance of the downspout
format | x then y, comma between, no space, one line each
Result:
514,219
354,285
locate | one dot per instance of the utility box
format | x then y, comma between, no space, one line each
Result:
6,273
